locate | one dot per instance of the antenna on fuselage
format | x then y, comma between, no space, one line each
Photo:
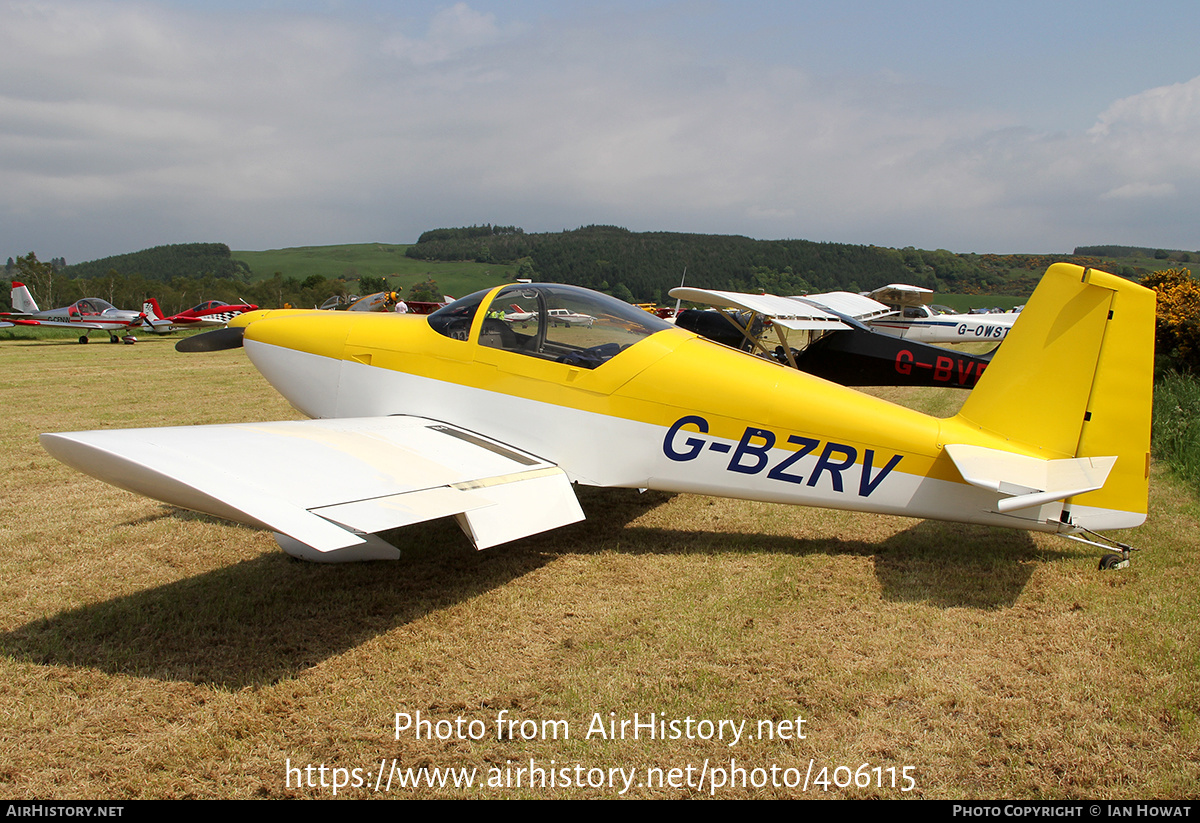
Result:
679,300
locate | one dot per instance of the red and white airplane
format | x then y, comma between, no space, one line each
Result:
87,315
209,314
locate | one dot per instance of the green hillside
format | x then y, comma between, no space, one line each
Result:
164,263
354,261
644,266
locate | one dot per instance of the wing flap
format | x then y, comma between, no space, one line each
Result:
491,510
327,482
529,503
398,510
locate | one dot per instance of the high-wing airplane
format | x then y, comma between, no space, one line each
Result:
208,314
87,315
827,335
460,414
913,320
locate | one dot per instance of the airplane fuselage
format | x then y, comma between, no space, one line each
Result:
949,328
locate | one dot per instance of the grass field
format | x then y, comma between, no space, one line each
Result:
352,261
147,652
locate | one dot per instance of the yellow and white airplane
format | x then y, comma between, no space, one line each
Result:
460,414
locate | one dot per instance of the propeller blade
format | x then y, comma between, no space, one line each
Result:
215,340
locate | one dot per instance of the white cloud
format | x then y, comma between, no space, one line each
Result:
452,32
134,124
1166,110
1137,191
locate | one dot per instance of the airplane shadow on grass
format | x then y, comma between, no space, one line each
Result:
270,618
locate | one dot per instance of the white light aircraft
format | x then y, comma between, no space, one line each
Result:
460,414
913,320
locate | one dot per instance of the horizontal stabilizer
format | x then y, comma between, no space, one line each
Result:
1028,481
328,483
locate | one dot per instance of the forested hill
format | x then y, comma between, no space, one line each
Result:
647,265
165,263
1139,251
650,264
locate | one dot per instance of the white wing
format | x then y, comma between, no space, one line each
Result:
814,311
900,294
329,484
858,306
786,312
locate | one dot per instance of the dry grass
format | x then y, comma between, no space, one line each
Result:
148,652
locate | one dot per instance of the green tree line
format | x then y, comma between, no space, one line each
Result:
166,263
1138,251
637,266
54,287
649,264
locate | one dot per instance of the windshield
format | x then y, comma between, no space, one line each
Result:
93,305
567,324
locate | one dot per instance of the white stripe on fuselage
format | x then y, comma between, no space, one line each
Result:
952,330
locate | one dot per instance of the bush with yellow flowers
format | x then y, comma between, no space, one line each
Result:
1177,332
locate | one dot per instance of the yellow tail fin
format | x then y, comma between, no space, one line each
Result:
1074,378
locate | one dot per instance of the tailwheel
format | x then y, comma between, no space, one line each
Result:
1114,561
1117,556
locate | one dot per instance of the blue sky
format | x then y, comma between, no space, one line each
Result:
989,127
